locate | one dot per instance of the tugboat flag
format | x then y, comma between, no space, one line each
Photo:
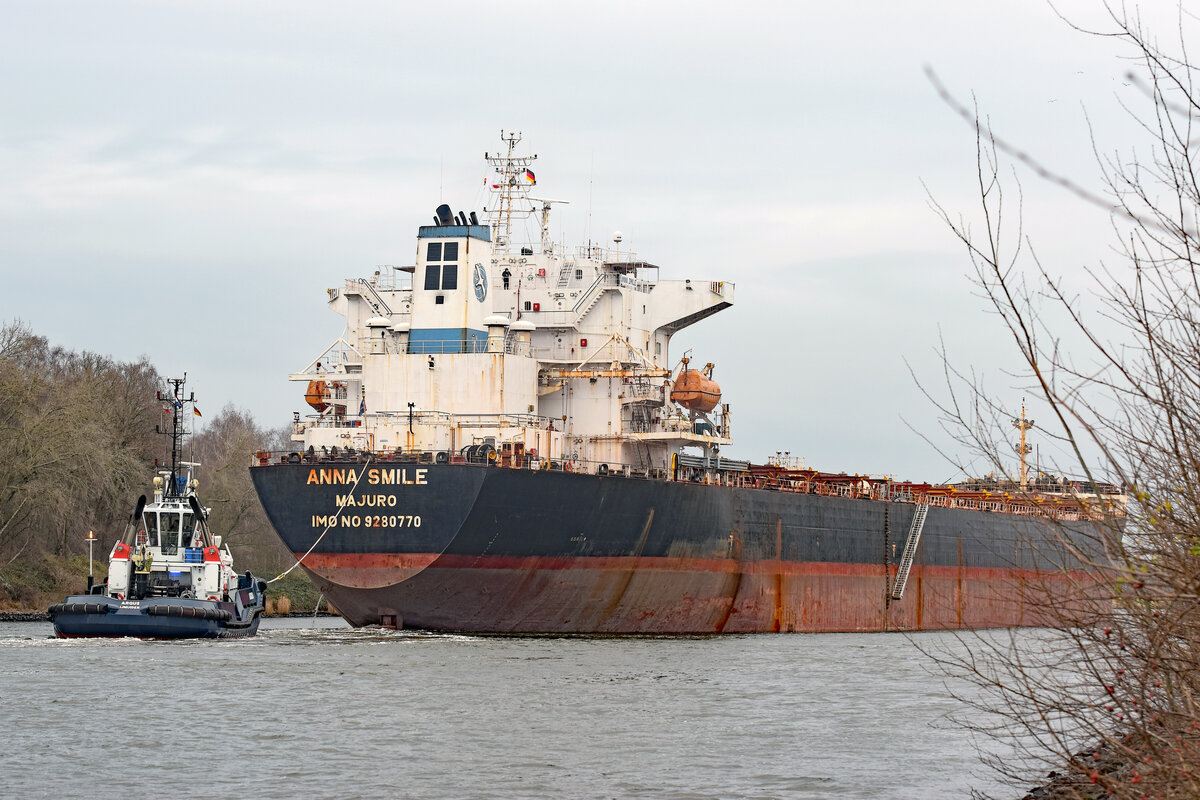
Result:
529,176
196,411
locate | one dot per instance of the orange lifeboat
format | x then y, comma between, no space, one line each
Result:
695,392
317,394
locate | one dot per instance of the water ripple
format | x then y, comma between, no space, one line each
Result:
316,709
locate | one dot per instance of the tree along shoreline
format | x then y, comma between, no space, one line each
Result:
80,441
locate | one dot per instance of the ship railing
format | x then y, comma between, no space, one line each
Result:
603,280
641,389
613,279
371,420
738,474
547,317
636,284
477,344
338,354
390,278
504,421
367,288
604,253
366,423
807,481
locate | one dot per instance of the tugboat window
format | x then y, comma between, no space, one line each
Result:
433,276
434,253
451,252
189,529
168,534
449,275
151,526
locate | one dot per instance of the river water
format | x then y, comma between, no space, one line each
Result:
314,709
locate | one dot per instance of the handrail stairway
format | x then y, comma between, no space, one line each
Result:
910,550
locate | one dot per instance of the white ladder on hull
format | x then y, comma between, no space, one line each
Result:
910,550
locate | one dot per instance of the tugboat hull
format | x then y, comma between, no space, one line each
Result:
152,618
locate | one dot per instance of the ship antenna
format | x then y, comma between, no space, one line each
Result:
177,431
591,179
1023,449
511,184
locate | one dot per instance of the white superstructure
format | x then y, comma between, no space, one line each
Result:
522,349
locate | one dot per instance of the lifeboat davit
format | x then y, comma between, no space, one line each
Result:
695,392
317,394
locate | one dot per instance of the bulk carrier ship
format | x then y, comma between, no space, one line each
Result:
501,442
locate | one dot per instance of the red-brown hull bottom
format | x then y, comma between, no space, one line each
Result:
679,596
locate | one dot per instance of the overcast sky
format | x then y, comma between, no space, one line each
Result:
184,180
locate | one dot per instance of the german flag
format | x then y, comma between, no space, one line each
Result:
529,176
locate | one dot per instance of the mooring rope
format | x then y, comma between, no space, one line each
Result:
332,521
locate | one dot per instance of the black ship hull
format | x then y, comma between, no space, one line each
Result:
458,547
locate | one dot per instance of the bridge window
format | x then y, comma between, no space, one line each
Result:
441,276
151,528
189,528
168,534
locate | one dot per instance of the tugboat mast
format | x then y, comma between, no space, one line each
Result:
173,488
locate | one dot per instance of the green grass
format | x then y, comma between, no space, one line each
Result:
32,584
296,587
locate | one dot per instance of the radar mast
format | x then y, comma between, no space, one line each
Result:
510,184
175,404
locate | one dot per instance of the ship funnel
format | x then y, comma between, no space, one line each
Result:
444,215
474,219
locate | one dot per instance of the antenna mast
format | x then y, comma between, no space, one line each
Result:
177,432
1023,449
510,185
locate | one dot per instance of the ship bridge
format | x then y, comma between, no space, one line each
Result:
483,342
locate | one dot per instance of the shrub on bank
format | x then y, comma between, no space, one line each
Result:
298,591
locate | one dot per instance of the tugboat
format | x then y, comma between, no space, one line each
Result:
169,577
